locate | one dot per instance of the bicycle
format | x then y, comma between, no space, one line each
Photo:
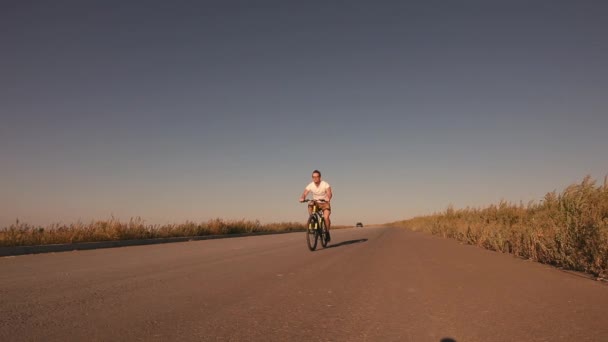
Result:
316,226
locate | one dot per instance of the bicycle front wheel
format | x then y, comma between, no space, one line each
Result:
312,234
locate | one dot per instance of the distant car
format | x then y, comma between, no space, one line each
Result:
359,225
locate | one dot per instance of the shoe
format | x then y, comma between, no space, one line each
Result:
327,237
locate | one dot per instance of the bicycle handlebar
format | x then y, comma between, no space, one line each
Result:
312,200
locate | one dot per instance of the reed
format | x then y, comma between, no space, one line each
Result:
22,234
567,229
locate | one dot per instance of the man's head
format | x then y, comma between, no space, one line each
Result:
316,176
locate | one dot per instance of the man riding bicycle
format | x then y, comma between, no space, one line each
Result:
321,190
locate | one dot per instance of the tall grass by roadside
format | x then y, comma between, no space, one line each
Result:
567,229
21,234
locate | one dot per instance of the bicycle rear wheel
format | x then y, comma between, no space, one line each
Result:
312,234
323,231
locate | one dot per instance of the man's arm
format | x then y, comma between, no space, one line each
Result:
329,194
306,191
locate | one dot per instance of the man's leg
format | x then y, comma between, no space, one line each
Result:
326,214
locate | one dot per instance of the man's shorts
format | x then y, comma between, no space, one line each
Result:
322,205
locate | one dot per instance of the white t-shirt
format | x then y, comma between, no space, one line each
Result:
318,192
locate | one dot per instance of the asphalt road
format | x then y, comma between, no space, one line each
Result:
372,284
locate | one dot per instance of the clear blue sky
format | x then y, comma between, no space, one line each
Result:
192,110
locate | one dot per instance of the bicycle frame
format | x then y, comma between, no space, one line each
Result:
317,212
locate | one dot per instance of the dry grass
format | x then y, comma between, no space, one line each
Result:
568,230
21,234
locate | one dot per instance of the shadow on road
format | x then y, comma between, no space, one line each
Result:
349,242
447,339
